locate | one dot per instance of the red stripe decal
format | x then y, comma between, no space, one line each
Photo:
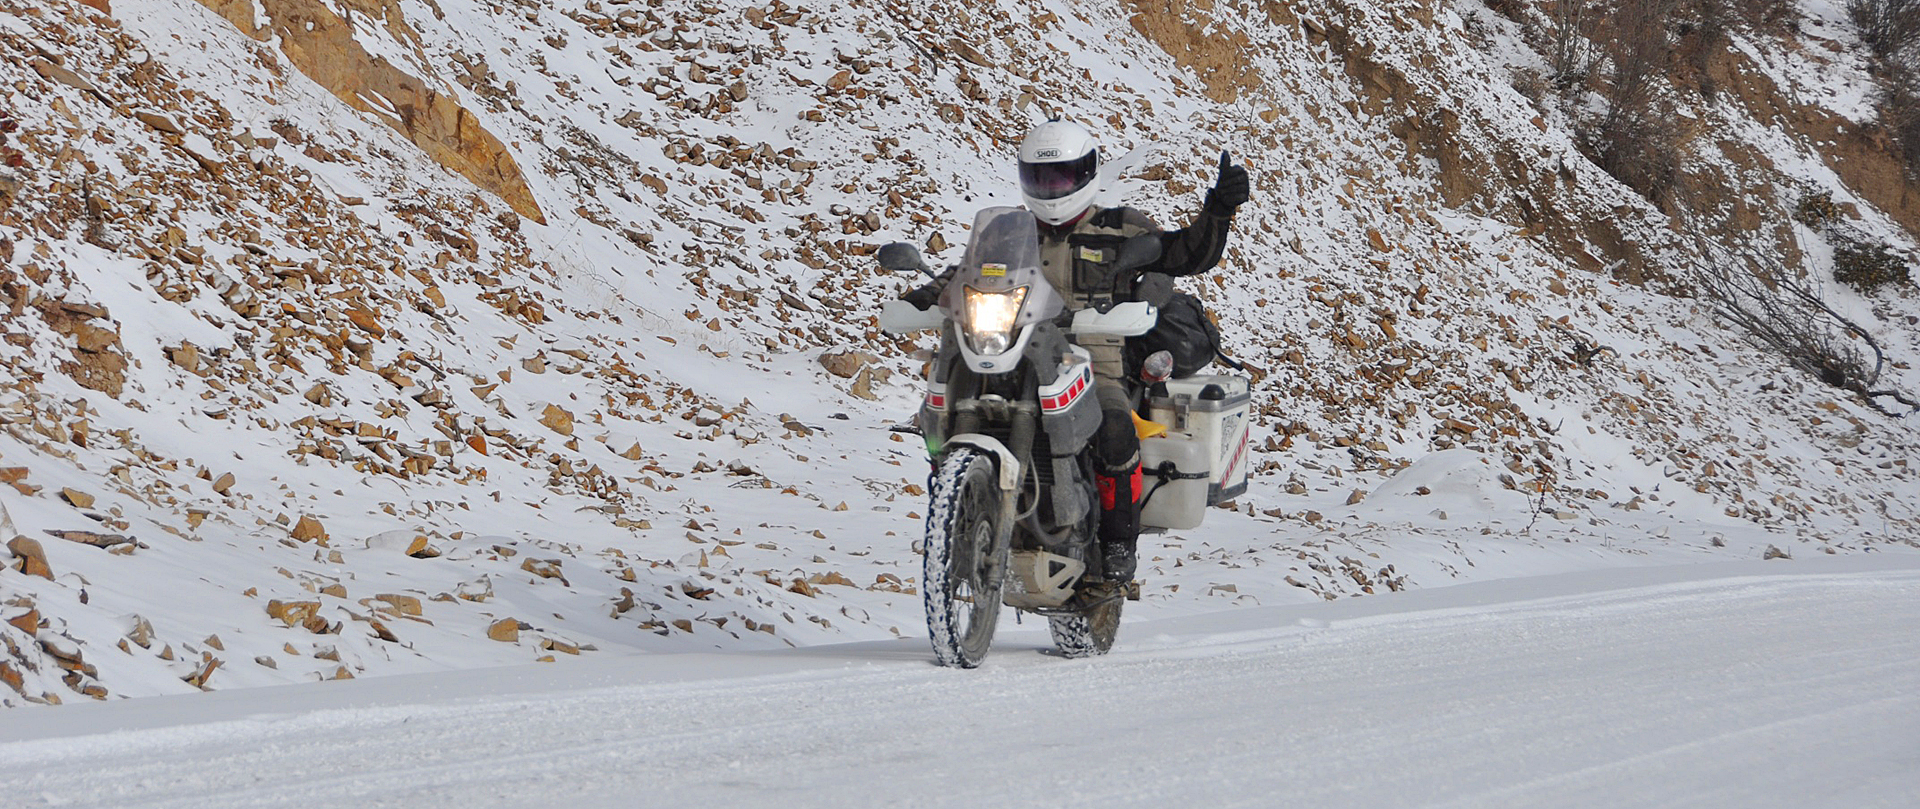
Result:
1239,454
1066,398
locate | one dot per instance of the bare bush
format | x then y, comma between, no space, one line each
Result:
1643,148
1640,139
1637,43
1571,56
1783,315
1761,14
1816,209
1900,113
1888,27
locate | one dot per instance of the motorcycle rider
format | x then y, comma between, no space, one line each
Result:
1079,244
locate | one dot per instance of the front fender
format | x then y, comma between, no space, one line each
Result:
1009,465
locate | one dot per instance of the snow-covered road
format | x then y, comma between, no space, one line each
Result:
1779,684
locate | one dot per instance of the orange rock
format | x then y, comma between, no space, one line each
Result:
365,320
32,557
557,419
293,613
309,530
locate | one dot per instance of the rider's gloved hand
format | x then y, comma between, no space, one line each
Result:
922,297
1230,190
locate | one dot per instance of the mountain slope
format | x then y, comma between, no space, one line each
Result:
526,329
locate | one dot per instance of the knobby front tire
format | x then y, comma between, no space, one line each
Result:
966,563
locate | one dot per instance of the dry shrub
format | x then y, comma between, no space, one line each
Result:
1866,266
1887,26
1514,10
1782,314
1640,139
1816,209
1901,112
1644,150
1571,56
1762,15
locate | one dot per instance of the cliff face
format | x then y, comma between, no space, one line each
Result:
418,334
321,45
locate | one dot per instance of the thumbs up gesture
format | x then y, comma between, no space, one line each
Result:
1230,190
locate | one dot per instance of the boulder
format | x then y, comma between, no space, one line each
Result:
98,540
845,364
30,557
505,630
557,419
293,613
28,621
309,529
403,604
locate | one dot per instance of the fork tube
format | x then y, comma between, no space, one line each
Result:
962,388
1026,419
966,417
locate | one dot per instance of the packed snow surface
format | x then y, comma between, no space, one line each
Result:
1745,684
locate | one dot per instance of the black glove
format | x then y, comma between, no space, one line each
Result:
1230,191
922,297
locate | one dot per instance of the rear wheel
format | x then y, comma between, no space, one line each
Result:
1089,633
966,563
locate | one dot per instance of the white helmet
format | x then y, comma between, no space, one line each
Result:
1058,163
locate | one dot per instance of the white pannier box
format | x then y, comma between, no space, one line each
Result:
1202,460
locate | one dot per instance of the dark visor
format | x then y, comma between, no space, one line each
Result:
1056,180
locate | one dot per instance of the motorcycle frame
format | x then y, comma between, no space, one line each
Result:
965,407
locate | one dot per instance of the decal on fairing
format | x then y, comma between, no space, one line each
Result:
1066,390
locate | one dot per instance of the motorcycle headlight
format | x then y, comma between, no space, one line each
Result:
990,316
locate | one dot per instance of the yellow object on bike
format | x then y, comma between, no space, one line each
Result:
1147,429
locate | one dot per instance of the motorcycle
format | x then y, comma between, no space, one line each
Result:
1008,418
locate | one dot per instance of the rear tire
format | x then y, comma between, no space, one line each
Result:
966,560
1090,634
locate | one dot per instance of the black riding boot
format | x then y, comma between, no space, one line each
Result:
1119,525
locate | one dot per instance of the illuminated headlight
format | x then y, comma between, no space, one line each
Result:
990,317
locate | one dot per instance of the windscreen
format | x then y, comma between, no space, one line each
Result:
1004,253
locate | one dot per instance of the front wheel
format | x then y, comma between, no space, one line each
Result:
1089,633
966,561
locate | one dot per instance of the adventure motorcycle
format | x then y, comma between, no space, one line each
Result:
1008,418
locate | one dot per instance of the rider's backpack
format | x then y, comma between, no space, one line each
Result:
1183,330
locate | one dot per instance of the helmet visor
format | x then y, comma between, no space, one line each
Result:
1056,180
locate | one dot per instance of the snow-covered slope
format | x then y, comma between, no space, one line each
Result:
363,337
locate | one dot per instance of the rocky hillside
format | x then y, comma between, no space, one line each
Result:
368,336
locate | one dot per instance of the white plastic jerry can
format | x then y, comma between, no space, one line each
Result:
1174,481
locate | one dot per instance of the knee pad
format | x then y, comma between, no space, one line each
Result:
1116,448
1120,490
